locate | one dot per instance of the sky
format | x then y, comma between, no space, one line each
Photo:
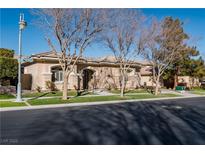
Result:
34,38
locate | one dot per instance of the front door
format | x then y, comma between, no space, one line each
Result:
87,76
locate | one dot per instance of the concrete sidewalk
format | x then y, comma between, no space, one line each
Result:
89,103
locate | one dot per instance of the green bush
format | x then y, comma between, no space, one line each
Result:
8,66
38,89
51,86
5,82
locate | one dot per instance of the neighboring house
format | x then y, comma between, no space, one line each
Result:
190,81
89,73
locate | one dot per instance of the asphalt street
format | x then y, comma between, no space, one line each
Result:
180,121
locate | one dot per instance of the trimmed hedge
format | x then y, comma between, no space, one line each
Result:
7,89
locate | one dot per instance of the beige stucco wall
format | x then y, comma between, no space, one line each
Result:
41,72
191,82
147,79
105,77
38,73
109,77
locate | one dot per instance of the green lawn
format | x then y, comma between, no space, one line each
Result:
10,104
6,96
55,93
198,91
93,99
117,91
47,94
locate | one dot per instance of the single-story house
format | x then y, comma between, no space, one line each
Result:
102,73
89,73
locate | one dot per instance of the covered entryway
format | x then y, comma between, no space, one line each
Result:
88,75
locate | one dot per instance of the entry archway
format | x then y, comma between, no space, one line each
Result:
88,75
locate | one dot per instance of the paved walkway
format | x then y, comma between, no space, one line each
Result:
103,93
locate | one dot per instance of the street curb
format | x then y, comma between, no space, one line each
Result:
89,103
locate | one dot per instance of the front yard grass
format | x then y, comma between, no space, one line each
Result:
11,104
54,93
6,96
47,94
95,99
117,91
198,91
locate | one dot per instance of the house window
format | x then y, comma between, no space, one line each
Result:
58,76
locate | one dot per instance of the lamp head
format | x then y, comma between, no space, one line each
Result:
22,23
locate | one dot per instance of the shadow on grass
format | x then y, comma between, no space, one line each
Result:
82,93
42,95
78,93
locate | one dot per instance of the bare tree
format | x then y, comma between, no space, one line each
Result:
162,44
72,30
122,36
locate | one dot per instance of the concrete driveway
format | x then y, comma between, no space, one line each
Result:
179,121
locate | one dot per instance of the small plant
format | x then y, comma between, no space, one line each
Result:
51,86
78,93
38,89
92,84
203,86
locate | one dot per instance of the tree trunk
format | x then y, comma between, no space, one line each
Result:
176,77
123,86
156,89
157,86
175,81
192,82
65,87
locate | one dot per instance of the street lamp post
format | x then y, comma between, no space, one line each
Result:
22,25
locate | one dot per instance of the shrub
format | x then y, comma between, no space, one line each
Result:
5,82
38,89
77,90
8,65
51,86
203,86
7,89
